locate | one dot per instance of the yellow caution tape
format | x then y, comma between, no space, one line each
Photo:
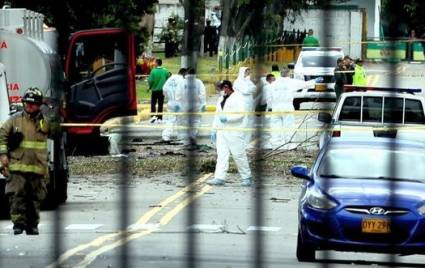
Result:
247,129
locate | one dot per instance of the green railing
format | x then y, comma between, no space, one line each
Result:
399,50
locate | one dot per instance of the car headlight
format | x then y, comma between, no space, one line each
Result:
421,210
316,199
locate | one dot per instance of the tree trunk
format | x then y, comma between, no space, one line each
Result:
193,28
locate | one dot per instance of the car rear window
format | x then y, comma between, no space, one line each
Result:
414,112
372,109
393,110
351,109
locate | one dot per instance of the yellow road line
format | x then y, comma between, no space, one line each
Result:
163,221
144,219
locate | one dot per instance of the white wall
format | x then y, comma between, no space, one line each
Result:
164,10
335,28
373,14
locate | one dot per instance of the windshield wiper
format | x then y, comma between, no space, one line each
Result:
332,176
395,179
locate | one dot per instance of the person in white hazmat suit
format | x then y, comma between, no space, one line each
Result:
283,123
266,100
229,138
191,95
247,88
169,90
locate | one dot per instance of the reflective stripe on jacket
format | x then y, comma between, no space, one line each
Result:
24,139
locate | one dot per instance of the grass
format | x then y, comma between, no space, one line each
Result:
207,71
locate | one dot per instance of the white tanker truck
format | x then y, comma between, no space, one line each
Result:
95,83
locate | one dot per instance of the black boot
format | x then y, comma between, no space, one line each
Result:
18,229
32,231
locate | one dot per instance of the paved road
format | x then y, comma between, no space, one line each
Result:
158,229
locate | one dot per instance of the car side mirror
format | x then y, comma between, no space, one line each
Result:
301,172
291,66
325,117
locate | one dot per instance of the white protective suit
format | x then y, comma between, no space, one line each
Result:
231,141
282,96
247,88
266,99
169,90
190,89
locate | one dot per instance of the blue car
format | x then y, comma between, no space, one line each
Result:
364,195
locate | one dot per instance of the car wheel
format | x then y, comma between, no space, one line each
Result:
305,252
296,104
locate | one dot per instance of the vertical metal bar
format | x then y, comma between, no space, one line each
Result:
326,42
258,245
191,45
124,199
392,259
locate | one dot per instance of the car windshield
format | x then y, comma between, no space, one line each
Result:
373,163
320,61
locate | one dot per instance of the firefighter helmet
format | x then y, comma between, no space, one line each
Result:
33,95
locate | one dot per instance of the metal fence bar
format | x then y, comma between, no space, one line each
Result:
191,46
124,200
326,42
259,246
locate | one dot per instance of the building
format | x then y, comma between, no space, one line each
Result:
373,16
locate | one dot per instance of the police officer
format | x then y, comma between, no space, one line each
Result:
23,156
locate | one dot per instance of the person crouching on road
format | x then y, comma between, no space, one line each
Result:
23,155
229,138
170,89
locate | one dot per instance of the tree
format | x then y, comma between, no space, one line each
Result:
72,15
404,12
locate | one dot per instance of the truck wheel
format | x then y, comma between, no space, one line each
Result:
56,190
296,104
61,193
305,252
4,202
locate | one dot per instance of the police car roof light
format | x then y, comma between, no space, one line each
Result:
350,88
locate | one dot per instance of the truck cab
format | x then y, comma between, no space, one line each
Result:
94,82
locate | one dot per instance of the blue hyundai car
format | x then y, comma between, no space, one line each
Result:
365,196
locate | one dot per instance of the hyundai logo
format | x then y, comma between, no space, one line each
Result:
377,211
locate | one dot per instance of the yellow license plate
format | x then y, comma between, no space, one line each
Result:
376,226
320,87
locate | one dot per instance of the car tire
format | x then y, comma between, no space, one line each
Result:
296,104
305,252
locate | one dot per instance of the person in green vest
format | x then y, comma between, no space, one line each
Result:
359,77
275,71
310,40
156,81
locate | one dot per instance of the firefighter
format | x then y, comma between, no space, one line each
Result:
23,156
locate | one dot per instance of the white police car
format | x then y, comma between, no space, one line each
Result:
316,63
